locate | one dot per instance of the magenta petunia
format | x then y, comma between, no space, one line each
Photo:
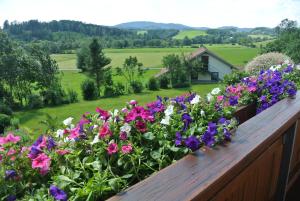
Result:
126,149
105,131
112,148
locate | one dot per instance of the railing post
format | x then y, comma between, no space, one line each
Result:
288,143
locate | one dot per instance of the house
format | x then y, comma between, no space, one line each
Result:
214,68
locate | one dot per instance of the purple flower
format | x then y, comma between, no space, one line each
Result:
123,136
192,143
57,193
233,100
227,134
34,152
10,174
178,139
288,69
51,143
212,128
186,118
38,141
291,92
11,198
208,139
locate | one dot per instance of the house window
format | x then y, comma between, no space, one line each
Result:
214,76
204,60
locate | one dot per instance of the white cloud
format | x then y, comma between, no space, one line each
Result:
212,13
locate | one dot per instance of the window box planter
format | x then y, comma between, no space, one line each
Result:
254,166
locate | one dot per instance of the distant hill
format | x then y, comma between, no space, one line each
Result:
145,25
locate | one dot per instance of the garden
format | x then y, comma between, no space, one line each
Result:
106,152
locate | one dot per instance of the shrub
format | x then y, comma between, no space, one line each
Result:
120,89
89,90
181,85
264,61
114,90
153,84
35,101
55,95
164,82
5,109
15,123
4,122
72,96
137,86
235,77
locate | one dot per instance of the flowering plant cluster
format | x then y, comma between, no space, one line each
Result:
107,151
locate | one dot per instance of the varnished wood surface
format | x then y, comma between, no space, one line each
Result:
202,175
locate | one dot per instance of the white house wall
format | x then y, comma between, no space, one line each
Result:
215,65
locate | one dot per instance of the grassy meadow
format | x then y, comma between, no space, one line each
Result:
189,33
150,57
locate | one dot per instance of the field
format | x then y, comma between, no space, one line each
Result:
32,118
150,57
261,36
189,33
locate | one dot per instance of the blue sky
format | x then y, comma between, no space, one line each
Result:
211,13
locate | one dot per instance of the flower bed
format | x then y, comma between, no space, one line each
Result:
105,152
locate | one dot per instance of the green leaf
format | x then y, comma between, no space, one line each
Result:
127,176
149,136
155,154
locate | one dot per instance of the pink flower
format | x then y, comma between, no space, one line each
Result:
112,148
62,152
133,102
105,131
42,162
43,143
141,126
103,114
220,98
74,133
126,149
251,89
123,136
11,152
9,138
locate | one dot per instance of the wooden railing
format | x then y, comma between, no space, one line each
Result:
260,163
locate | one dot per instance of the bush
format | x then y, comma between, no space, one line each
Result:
5,109
153,84
15,123
72,96
114,90
35,101
137,86
164,82
235,77
181,85
120,89
89,90
4,122
55,95
265,61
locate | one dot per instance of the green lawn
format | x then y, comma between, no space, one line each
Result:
189,33
32,118
73,79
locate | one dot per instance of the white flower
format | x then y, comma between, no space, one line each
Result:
116,112
68,121
96,140
202,113
126,128
169,111
195,100
209,97
298,67
166,120
274,68
215,91
59,133
95,126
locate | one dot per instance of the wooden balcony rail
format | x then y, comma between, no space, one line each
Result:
255,166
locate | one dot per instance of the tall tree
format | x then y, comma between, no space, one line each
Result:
98,61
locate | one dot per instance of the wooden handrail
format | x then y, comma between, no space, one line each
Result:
201,175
